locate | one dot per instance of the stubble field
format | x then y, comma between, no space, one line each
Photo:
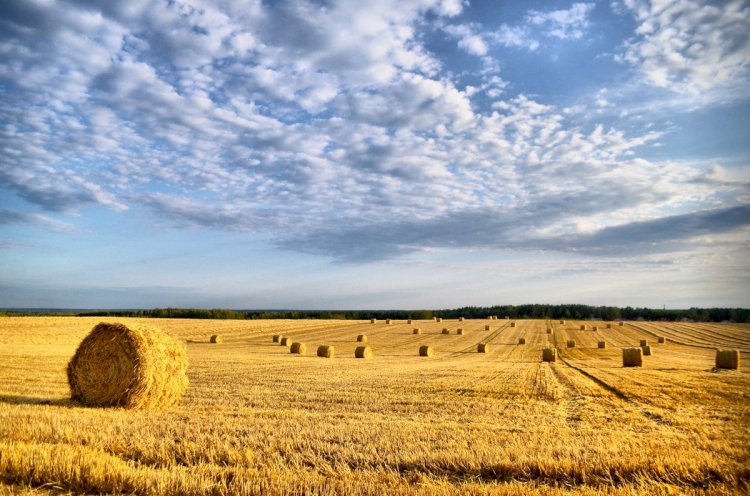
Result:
259,420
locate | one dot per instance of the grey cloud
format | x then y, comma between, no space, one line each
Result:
39,220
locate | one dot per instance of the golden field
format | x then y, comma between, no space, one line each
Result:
259,420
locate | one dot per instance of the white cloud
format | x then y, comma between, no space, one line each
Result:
563,24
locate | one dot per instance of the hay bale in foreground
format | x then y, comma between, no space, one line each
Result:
483,348
298,348
277,338
646,350
521,340
285,341
363,352
644,342
632,357
216,339
362,338
446,331
416,330
549,355
662,339
728,359
460,331
601,345
571,343
326,351
129,367
425,351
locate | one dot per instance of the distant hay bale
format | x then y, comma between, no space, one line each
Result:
363,352
662,339
129,367
549,330
632,357
425,351
571,343
507,317
408,321
326,351
521,340
416,330
583,327
562,321
602,344
609,326
728,359
595,328
483,348
362,338
647,350
435,319
549,355
388,321
277,338
372,321
285,341
644,342
298,348
487,327
513,324
439,319
216,339
460,319
460,331
446,331
621,324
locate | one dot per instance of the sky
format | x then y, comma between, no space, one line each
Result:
350,154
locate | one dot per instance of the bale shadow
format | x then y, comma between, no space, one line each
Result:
32,400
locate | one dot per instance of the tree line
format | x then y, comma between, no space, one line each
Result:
576,312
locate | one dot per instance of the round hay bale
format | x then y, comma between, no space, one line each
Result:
388,321
609,326
298,348
483,348
647,350
521,340
662,339
408,321
460,319
326,351
277,338
425,351
446,331
416,330
460,331
216,339
562,322
507,317
644,342
129,367
632,357
595,328
571,343
583,327
728,359
621,324
363,352
285,341
549,355
372,321
487,327
362,338
439,319
549,330
513,324
601,345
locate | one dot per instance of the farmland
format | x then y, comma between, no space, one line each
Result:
259,420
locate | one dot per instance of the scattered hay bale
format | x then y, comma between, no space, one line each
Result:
621,324
417,330
662,339
609,326
646,350
285,341
326,351
216,339
513,324
562,321
362,338
632,357
439,319
595,328
549,330
298,348
388,321
507,317
601,345
363,352
728,359
571,343
460,319
483,348
644,342
425,351
549,355
487,327
521,340
583,327
129,367
277,338
408,321
372,321
446,331
460,331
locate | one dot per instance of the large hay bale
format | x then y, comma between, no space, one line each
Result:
446,331
326,351
513,324
644,342
460,331
298,348
728,359
416,330
487,327
277,338
601,345
363,352
662,339
285,341
647,350
129,367
483,348
425,351
521,340
216,339
571,343
632,357
362,338
549,355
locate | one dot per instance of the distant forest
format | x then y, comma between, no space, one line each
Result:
577,312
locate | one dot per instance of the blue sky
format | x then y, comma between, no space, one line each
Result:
390,154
